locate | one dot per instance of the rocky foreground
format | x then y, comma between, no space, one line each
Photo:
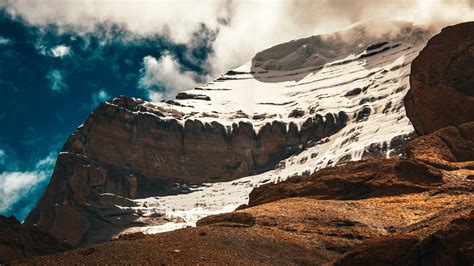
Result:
417,209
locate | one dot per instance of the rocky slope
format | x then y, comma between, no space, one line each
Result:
294,109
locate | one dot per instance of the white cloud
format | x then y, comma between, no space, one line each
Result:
56,81
99,96
3,155
179,18
47,162
16,185
4,41
163,77
60,51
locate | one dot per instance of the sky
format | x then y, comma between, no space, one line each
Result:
60,58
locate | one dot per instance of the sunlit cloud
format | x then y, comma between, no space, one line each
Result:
164,77
60,51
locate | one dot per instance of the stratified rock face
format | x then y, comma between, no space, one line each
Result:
124,135
442,81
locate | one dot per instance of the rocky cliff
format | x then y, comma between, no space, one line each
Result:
442,80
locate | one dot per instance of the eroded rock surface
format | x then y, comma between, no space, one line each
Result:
20,242
442,81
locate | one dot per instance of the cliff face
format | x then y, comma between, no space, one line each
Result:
124,134
442,80
254,122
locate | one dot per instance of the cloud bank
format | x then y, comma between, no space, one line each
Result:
243,27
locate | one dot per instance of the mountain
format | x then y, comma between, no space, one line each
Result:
295,108
309,141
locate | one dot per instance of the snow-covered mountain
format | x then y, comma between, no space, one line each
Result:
293,109
360,73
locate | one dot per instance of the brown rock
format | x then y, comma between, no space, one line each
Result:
447,148
451,245
20,242
302,230
442,81
354,180
69,224
236,219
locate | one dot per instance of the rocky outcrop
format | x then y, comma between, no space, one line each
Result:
126,151
448,148
20,242
442,81
185,96
451,245
354,180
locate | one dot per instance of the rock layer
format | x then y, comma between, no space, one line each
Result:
442,81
